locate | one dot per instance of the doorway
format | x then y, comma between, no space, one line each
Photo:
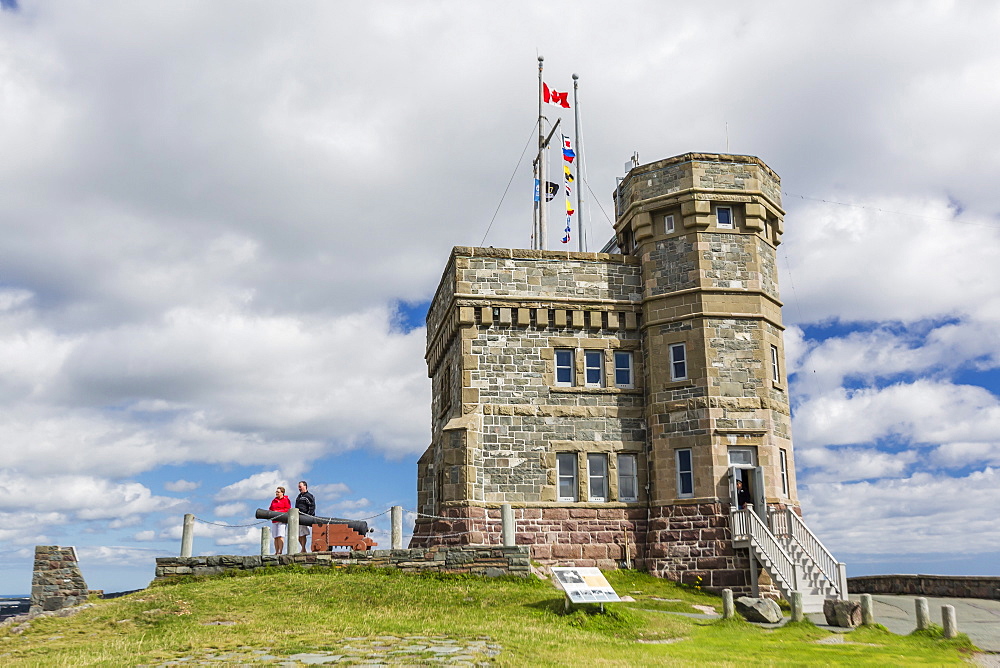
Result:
746,482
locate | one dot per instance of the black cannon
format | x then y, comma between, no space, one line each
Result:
360,526
329,533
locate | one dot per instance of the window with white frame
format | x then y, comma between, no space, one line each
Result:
724,217
565,370
597,474
593,368
775,369
678,362
685,473
566,465
624,373
628,477
668,224
783,456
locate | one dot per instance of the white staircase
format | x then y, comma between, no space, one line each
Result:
792,555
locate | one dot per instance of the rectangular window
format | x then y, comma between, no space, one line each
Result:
775,369
678,362
628,478
564,367
593,364
724,217
668,224
623,369
566,463
784,472
597,472
685,474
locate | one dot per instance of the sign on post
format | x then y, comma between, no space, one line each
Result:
585,585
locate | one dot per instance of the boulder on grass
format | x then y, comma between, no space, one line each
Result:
760,610
846,614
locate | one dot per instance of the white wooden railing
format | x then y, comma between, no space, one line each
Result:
746,526
786,522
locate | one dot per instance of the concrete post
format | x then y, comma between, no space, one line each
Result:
923,614
396,515
949,621
867,610
797,613
265,540
292,540
187,536
728,609
507,518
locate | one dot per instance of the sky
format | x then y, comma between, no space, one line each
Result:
221,224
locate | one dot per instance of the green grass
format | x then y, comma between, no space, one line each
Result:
292,610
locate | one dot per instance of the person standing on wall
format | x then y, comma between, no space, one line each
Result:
306,503
280,504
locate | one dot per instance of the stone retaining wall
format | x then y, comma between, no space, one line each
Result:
556,536
56,582
489,560
955,586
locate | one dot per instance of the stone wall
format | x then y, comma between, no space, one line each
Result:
692,541
955,586
588,535
56,582
489,560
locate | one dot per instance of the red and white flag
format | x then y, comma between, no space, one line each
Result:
551,96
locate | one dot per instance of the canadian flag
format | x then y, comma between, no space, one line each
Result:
553,97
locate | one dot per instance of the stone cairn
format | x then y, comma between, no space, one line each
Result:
56,582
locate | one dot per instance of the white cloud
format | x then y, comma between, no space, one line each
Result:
259,486
231,509
181,486
145,535
922,412
923,513
846,464
87,498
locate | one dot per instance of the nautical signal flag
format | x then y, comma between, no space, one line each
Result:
551,96
568,154
569,210
551,188
568,174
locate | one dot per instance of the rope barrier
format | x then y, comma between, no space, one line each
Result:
230,526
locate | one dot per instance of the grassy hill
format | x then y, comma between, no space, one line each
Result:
360,616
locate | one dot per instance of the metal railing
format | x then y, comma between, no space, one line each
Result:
786,522
747,526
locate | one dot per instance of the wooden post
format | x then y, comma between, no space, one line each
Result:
949,621
728,609
867,610
187,536
923,614
396,515
507,519
265,540
842,577
292,539
797,613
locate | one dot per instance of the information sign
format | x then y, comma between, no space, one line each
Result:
585,585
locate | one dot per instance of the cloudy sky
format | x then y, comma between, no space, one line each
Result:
221,223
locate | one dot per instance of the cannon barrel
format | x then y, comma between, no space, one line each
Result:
307,520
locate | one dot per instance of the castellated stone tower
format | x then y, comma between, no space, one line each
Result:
615,399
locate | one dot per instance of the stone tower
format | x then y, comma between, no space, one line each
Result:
615,399
705,229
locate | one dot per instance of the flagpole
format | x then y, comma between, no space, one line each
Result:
579,167
543,185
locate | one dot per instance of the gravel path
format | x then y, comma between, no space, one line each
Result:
371,651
